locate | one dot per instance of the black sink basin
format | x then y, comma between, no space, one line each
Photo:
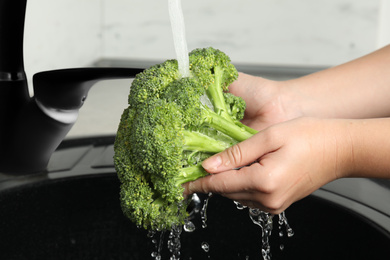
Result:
73,212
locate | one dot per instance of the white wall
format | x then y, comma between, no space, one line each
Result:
74,33
61,34
384,24
306,32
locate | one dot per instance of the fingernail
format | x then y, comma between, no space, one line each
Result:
212,163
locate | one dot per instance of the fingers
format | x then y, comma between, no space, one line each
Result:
241,154
243,86
241,185
236,87
225,182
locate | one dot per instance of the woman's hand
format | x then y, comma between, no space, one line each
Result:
267,103
287,162
294,155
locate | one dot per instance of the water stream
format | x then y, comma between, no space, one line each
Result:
179,36
265,221
260,218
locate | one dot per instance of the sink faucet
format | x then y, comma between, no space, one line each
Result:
31,128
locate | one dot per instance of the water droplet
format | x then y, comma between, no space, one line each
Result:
283,220
205,246
281,247
151,233
281,234
156,255
239,205
203,212
290,232
189,226
174,243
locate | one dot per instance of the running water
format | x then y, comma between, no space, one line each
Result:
265,221
203,212
179,36
174,243
158,244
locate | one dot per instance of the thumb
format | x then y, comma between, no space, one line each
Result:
236,156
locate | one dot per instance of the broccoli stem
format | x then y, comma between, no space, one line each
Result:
247,128
195,141
225,126
215,94
190,173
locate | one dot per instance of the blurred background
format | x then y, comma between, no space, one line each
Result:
254,33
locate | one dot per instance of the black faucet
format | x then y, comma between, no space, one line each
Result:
31,128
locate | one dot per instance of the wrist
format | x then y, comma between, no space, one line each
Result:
336,149
345,152
293,103
370,148
312,97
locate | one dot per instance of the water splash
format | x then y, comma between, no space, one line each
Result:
189,226
260,218
264,221
179,36
205,246
283,221
174,243
203,212
239,206
158,244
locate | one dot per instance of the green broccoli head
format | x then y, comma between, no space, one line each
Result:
186,93
158,139
167,131
149,200
210,65
215,72
163,145
236,106
150,83
144,205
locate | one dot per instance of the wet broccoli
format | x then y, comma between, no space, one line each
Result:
170,126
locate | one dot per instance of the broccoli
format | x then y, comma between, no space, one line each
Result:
171,125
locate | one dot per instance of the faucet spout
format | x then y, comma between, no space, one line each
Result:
43,122
32,128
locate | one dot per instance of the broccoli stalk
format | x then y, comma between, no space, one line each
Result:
215,94
224,125
195,141
166,133
189,174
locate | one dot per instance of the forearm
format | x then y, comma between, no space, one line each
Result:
369,153
357,89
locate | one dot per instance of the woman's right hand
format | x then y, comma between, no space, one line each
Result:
266,100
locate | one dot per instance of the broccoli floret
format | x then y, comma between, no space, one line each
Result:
166,133
148,84
235,106
215,72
